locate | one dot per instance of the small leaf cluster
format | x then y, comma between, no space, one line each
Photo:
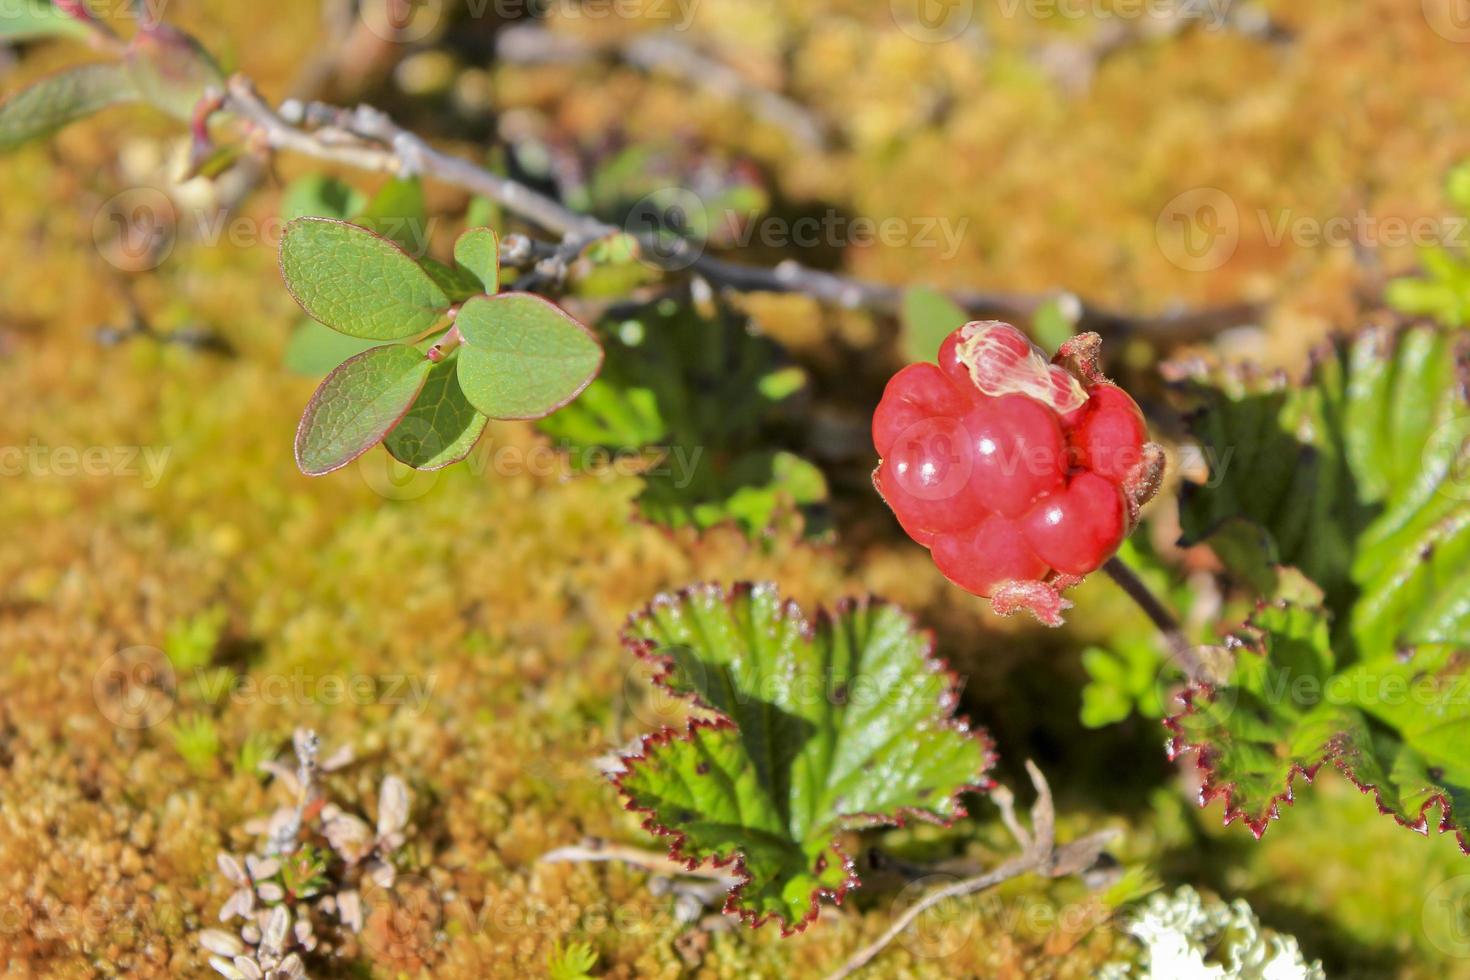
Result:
510,355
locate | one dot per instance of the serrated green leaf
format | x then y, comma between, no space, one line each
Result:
320,196
22,20
1396,725
315,349
357,405
478,251
1271,720
61,99
523,356
442,426
819,727
927,317
357,282
1356,477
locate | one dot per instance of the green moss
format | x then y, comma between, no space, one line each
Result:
461,629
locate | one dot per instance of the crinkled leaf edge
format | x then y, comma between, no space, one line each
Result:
647,651
1337,751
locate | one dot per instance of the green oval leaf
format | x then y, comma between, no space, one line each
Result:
523,356
62,99
478,250
826,725
442,426
356,405
357,282
22,20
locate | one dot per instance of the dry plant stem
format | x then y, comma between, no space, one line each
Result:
1037,854
1180,648
653,861
366,139
283,839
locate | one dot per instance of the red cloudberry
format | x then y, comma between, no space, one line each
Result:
1021,475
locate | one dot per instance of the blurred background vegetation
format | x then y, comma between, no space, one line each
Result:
1145,164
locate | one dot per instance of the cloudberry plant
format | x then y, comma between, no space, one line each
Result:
1021,475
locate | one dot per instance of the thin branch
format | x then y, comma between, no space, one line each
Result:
366,139
1013,868
1180,648
1039,853
596,850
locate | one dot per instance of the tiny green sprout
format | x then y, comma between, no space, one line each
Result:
197,741
257,748
573,961
304,873
190,643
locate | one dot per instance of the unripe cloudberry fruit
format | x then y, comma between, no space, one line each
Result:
1021,475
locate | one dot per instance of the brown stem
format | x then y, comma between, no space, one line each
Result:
367,139
1180,648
